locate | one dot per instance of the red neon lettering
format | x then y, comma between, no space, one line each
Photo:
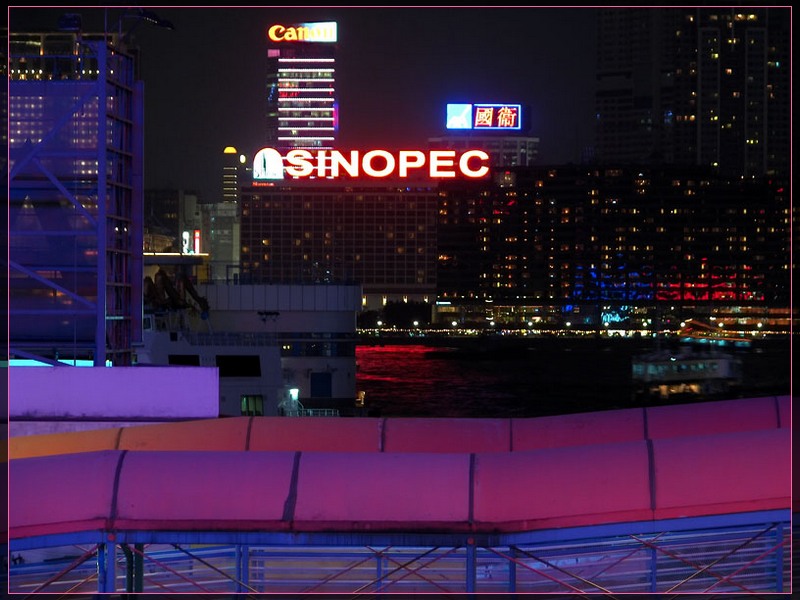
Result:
299,163
337,160
366,163
506,117
413,159
483,116
439,159
463,163
317,33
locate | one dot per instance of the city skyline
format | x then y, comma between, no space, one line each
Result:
565,315
219,68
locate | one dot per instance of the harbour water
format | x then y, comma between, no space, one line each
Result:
529,378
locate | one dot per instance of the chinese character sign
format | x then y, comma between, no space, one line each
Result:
484,116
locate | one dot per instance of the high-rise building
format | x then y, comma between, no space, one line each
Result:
500,130
590,245
503,150
168,215
302,109
381,236
231,165
75,110
221,226
692,86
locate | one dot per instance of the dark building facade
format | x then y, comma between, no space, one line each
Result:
631,247
622,245
696,86
382,237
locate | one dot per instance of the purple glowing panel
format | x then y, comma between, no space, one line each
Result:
113,392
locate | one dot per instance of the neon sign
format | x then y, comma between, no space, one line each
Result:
303,32
484,116
190,242
268,164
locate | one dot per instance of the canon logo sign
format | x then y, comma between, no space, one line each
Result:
303,32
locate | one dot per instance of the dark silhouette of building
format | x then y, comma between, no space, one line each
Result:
696,86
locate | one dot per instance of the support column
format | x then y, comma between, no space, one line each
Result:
243,568
106,568
779,559
471,566
512,571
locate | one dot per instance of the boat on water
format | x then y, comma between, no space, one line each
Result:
697,332
685,374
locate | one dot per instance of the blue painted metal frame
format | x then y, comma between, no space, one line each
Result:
115,309
476,553
406,539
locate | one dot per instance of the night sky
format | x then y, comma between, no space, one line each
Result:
397,68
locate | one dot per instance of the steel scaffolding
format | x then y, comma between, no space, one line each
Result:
736,553
75,115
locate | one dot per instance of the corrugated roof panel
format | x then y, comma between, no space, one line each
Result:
707,418
580,429
64,443
422,434
394,490
410,491
785,410
53,494
207,434
211,489
447,435
332,434
733,472
563,486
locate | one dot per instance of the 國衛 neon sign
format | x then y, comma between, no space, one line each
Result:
484,116
303,32
269,164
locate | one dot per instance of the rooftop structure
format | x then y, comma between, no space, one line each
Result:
636,500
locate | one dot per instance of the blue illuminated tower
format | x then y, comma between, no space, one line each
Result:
75,115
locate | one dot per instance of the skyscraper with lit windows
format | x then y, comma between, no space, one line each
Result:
696,86
302,107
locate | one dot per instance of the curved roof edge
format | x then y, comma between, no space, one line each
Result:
368,434
488,492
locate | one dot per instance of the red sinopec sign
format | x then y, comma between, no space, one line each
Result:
269,164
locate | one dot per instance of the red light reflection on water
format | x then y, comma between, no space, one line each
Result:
422,381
